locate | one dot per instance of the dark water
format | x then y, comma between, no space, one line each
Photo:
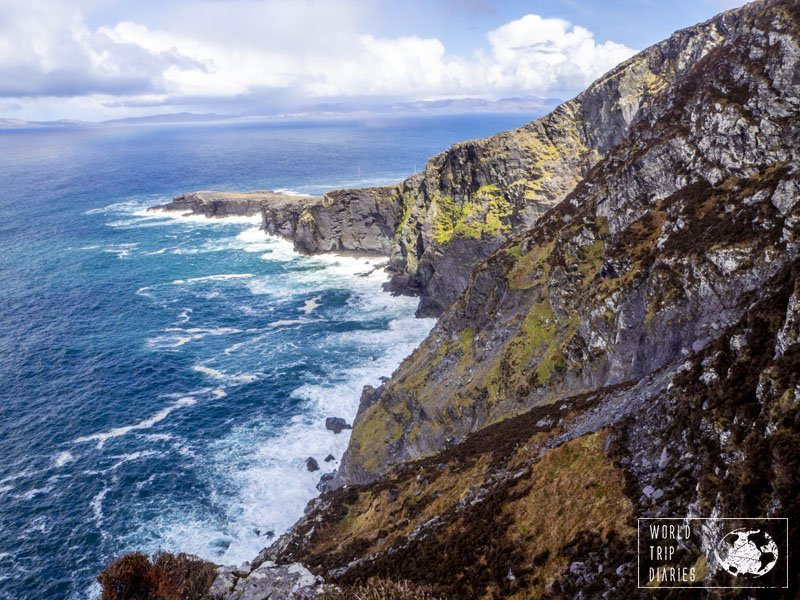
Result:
162,380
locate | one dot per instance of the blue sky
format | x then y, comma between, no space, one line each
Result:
100,59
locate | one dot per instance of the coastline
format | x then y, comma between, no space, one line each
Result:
370,266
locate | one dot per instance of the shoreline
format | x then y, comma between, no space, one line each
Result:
371,262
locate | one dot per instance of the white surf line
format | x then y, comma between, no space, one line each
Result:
218,277
102,437
311,305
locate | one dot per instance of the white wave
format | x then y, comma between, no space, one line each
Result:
281,250
198,219
64,458
218,277
288,192
132,456
285,322
21,475
39,525
266,467
207,330
176,337
96,505
185,315
219,393
127,206
165,342
311,305
156,437
121,250
236,379
32,493
102,437
252,234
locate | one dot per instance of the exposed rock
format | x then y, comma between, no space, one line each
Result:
324,481
362,220
477,194
336,424
275,582
330,458
228,204
359,221
312,464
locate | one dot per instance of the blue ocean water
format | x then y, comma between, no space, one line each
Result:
163,379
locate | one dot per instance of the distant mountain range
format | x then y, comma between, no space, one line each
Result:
526,104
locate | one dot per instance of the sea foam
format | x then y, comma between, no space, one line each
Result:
102,437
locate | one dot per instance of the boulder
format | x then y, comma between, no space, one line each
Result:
324,480
276,582
336,424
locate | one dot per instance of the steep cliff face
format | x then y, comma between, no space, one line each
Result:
648,259
362,220
637,352
474,196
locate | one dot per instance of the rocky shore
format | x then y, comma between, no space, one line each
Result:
619,335
359,221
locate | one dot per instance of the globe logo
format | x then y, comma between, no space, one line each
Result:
747,552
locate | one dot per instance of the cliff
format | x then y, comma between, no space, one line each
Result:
653,253
635,352
362,220
476,195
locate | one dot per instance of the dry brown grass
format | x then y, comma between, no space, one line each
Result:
383,589
166,576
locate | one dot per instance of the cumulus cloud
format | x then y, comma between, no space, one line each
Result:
305,50
548,54
46,49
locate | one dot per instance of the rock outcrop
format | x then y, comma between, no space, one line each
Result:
223,204
268,580
360,220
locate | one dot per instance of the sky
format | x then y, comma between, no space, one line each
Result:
104,59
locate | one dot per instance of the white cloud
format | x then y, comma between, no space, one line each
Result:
258,50
548,54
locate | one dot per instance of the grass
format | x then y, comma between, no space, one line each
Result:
164,576
383,589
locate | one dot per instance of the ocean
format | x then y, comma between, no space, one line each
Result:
163,378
